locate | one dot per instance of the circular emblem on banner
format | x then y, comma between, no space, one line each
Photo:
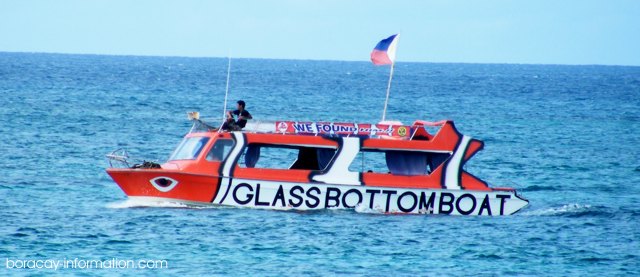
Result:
282,127
163,184
402,131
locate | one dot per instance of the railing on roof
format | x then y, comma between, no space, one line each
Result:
200,126
393,131
329,128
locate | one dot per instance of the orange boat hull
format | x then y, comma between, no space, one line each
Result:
190,187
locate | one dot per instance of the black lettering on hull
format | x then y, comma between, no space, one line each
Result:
503,198
414,201
427,205
258,202
388,193
485,205
279,196
372,195
335,198
296,196
448,203
473,204
351,191
316,200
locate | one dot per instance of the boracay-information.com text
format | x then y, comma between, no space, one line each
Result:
77,263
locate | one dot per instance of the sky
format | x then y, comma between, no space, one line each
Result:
489,31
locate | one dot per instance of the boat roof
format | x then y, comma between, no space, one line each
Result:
389,130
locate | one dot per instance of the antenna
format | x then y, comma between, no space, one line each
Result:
226,92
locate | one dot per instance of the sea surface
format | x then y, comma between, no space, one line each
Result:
567,137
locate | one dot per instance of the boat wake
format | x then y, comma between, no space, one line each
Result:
148,203
571,210
363,209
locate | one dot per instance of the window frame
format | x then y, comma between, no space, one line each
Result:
428,170
182,145
225,155
241,164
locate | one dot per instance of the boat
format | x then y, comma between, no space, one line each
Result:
387,168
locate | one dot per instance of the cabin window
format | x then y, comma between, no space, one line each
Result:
220,150
407,163
369,161
286,157
434,160
189,148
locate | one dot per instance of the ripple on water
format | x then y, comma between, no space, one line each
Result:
489,256
118,241
540,188
571,210
19,235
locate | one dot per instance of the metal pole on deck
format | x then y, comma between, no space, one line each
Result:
386,101
226,92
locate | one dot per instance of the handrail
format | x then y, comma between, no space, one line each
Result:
392,130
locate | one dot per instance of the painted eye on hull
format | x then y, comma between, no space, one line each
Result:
163,184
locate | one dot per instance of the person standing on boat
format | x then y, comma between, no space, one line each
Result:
242,114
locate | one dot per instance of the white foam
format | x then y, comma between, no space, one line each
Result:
363,209
149,203
565,209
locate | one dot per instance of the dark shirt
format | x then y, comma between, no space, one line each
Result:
241,122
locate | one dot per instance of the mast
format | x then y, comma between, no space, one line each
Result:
226,92
386,101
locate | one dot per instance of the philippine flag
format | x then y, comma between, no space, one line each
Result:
385,51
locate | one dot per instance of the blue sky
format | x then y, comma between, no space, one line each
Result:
492,31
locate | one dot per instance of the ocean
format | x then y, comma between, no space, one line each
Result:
567,137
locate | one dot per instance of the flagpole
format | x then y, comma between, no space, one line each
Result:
386,101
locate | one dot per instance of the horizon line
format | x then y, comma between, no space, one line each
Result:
310,59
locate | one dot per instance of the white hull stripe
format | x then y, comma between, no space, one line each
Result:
451,180
338,172
231,160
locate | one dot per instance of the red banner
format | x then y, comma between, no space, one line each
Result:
332,128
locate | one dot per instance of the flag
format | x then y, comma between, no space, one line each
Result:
385,51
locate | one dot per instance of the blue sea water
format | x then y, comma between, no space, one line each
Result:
567,137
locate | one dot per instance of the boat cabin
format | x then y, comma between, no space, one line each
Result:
332,153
